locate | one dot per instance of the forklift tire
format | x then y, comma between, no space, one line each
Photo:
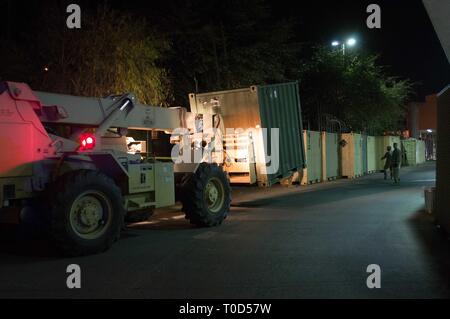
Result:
138,216
206,196
86,212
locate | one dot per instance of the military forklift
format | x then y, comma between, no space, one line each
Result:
66,162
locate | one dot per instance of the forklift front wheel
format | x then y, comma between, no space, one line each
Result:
206,196
86,212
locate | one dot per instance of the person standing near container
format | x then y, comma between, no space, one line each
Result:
396,162
387,164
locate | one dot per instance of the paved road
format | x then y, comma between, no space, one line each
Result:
298,242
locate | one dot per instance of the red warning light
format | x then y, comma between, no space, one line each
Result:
87,141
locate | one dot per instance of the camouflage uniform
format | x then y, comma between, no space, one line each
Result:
396,162
387,164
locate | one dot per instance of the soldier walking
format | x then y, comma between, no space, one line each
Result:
396,162
387,164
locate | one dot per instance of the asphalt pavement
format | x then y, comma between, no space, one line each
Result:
296,242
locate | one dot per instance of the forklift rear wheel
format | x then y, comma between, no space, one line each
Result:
206,196
86,212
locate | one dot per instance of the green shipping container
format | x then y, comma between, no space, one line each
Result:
410,152
313,151
371,155
330,156
364,153
414,152
260,107
420,152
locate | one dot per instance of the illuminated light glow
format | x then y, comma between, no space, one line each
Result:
87,141
124,105
258,126
430,131
335,43
351,41
46,69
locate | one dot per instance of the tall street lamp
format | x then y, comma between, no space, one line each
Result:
350,42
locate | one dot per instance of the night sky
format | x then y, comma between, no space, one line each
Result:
406,43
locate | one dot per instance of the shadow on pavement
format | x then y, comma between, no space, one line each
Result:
435,243
14,242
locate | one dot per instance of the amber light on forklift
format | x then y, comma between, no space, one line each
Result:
87,142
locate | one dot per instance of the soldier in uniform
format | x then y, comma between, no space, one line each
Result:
396,162
387,164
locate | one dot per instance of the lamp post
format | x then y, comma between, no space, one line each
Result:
350,42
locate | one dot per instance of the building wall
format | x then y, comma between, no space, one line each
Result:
412,119
443,160
427,117
438,12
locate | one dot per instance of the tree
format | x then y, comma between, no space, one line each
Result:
354,89
182,46
112,53
226,44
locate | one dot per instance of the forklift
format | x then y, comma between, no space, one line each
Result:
66,161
